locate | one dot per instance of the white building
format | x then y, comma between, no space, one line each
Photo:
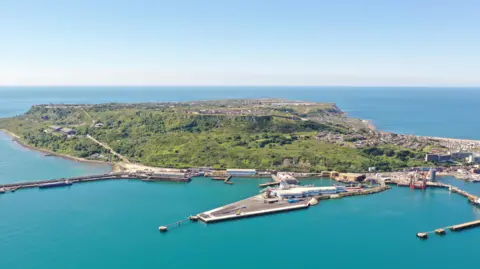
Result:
473,159
301,192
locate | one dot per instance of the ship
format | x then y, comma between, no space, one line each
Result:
2,190
416,183
55,184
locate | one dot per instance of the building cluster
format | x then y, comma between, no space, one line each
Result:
468,157
62,130
456,145
372,139
256,112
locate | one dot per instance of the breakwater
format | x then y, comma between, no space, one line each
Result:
110,176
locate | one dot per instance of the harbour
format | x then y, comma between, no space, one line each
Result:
91,224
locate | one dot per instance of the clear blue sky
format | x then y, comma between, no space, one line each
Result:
258,42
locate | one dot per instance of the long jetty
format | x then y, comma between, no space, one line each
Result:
110,176
453,228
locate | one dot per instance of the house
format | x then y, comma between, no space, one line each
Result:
55,128
68,131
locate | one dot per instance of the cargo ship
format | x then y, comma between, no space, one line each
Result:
55,184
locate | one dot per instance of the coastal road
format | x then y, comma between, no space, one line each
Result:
109,149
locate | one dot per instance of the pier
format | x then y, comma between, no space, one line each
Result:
227,180
453,228
111,176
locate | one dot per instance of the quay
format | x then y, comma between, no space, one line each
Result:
111,176
275,181
260,205
253,206
279,177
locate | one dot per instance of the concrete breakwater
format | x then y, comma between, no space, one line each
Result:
110,176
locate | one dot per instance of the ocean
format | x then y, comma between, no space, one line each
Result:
114,224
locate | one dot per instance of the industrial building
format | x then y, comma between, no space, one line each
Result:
461,155
241,172
438,157
287,178
473,159
301,192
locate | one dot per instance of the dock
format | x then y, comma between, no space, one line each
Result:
275,181
11,187
253,206
259,205
269,184
227,180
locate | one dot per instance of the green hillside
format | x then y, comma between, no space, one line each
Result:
231,135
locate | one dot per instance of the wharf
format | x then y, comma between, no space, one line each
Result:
227,180
253,206
110,176
269,184
276,181
432,184
258,205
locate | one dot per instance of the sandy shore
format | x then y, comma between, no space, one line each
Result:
17,139
452,139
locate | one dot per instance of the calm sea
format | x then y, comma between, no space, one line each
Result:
114,224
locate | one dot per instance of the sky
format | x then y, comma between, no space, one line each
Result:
240,42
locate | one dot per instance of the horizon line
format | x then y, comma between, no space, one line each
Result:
239,85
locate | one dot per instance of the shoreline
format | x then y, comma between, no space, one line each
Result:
15,138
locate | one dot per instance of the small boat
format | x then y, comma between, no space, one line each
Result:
2,190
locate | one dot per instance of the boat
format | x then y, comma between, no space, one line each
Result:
2,190
476,202
55,184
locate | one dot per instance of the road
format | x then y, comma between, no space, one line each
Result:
124,159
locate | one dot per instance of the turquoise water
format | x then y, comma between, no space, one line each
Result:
21,164
114,224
